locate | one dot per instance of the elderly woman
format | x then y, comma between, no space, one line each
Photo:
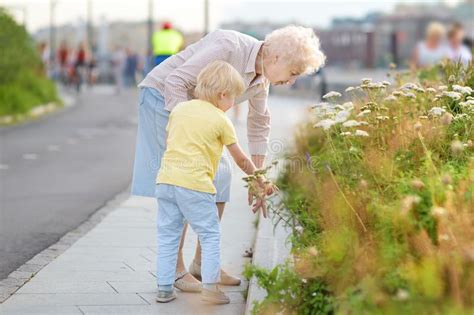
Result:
284,55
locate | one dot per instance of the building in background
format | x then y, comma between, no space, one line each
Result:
377,39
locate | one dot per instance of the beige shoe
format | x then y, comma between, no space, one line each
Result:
226,279
195,270
214,296
184,285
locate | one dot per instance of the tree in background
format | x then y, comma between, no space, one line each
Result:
23,83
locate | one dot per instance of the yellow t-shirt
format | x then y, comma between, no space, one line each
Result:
197,132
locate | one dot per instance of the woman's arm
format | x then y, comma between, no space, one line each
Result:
258,126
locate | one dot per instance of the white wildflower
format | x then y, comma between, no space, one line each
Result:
353,149
348,105
346,133
437,111
397,93
390,98
332,94
402,295
375,86
382,118
386,83
444,237
431,90
460,116
350,88
366,80
323,104
438,211
454,95
342,116
462,89
467,103
442,88
420,90
361,133
364,112
409,86
325,124
351,123
409,95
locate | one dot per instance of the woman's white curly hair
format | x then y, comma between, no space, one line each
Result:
298,45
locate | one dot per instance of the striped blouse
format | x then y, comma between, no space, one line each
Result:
175,78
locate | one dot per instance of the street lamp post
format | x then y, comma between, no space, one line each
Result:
206,17
52,32
150,27
89,25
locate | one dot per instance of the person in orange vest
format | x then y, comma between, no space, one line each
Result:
166,42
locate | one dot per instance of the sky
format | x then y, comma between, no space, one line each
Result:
185,14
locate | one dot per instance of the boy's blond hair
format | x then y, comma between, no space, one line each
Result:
218,77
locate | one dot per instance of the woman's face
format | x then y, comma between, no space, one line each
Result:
278,72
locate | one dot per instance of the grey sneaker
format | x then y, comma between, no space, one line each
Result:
214,296
165,296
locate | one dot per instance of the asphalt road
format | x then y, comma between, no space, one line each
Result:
55,172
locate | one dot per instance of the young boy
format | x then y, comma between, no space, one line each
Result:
197,131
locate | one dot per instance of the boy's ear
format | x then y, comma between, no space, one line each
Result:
222,95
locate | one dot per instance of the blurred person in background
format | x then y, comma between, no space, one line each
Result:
457,51
166,42
63,57
92,70
118,60
80,66
131,67
432,49
43,52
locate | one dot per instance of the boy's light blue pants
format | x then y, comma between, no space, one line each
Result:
176,204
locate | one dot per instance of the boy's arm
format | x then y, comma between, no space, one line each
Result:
241,159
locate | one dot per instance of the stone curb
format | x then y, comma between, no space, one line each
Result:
24,273
270,249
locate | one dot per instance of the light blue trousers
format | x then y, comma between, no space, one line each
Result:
151,145
176,204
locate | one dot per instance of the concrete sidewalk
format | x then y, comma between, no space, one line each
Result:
110,269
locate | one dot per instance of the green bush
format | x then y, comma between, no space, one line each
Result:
23,84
